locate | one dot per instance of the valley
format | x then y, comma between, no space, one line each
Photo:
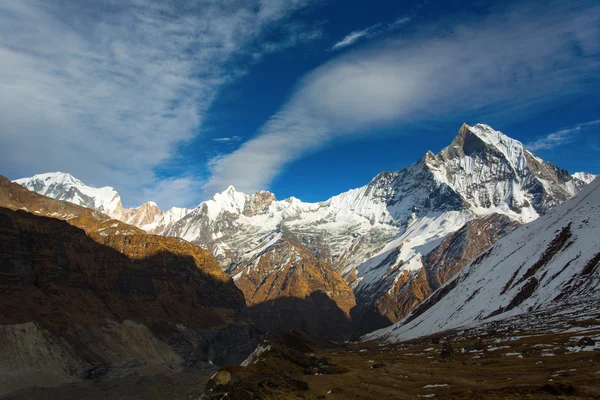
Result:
538,356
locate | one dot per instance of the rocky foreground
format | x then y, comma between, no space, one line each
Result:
544,355
550,354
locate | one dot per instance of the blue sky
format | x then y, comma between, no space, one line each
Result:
306,98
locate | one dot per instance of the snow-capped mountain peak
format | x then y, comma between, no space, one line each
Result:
229,200
64,186
585,177
483,140
58,177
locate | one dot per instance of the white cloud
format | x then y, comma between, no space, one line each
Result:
370,32
106,90
184,188
521,57
351,38
228,139
399,22
562,137
293,34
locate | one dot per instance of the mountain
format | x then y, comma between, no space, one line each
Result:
377,236
585,177
398,295
63,186
84,297
388,240
551,262
290,284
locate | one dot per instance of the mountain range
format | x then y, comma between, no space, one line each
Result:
376,251
63,186
475,237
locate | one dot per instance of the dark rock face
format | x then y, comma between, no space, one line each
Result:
231,344
50,258
461,247
447,350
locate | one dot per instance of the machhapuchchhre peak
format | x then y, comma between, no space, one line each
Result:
482,253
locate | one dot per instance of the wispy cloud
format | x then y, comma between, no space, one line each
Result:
107,89
370,32
562,137
228,139
351,38
527,54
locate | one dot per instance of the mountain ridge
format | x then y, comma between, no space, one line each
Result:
89,297
64,186
379,234
540,265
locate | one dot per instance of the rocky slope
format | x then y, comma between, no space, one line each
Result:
63,186
87,297
553,261
408,289
290,284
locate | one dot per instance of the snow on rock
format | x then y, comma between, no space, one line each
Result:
553,259
585,177
396,219
63,186
255,356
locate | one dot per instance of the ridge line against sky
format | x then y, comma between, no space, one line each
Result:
532,61
126,93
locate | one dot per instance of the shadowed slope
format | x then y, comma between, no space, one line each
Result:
91,297
290,284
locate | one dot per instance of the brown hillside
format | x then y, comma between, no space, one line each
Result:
83,296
